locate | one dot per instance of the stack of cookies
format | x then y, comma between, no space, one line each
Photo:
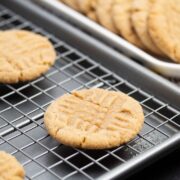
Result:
152,25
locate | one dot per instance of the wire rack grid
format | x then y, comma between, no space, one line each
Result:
22,106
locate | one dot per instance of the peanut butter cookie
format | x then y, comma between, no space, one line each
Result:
164,27
94,119
140,13
104,14
88,8
71,3
24,56
10,168
121,13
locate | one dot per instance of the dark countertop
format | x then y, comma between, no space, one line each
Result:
167,168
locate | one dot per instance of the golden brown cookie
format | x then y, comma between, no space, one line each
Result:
164,26
140,12
104,14
84,5
94,119
24,56
121,13
88,8
72,3
10,168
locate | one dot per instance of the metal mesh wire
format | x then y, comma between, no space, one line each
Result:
22,131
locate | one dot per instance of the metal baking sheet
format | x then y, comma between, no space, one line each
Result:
82,62
162,66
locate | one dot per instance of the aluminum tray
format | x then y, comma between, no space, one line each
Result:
167,69
22,106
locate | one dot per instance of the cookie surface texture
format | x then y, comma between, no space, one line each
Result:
24,56
72,3
104,14
84,5
140,13
10,168
121,13
88,8
94,119
164,27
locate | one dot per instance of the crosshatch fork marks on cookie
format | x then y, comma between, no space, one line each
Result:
94,119
25,137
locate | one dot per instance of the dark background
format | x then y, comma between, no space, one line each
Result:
167,168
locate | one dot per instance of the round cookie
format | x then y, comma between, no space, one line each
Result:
94,119
140,12
121,13
88,8
164,27
10,168
72,3
24,56
104,15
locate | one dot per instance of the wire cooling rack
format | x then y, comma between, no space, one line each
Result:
22,106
